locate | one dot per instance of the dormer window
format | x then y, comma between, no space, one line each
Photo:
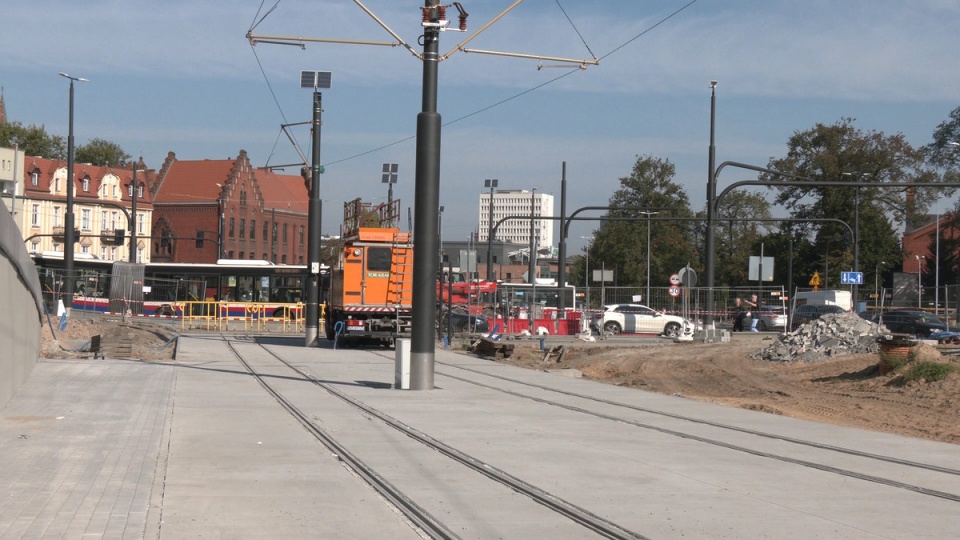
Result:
34,178
86,185
56,185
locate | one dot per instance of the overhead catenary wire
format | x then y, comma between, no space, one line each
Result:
502,101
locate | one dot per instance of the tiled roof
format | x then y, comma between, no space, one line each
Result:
283,191
194,181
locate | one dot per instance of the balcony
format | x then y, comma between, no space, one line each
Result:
112,237
60,234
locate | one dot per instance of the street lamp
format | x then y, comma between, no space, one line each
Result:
69,236
314,80
134,194
856,231
533,245
587,277
648,214
919,280
876,284
490,183
390,178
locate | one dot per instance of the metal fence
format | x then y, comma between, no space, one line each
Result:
724,298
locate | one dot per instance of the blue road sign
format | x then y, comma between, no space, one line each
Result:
851,278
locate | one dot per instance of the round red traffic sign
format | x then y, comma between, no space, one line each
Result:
674,279
674,291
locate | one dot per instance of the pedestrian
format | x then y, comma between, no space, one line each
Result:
753,306
738,314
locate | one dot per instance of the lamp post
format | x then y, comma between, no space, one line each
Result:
69,236
315,80
920,280
876,284
390,178
533,254
490,183
133,215
587,277
856,231
440,237
648,214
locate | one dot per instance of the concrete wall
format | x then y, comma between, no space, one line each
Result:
21,308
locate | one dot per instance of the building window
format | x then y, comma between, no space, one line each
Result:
85,219
284,233
230,234
103,252
243,199
56,216
85,184
253,230
265,257
113,221
300,232
140,191
266,233
242,255
56,185
35,247
35,216
274,236
243,230
283,259
34,178
140,219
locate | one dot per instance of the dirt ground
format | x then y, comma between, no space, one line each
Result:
148,340
847,390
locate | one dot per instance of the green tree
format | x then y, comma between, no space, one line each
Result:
101,152
620,244
33,140
737,237
841,152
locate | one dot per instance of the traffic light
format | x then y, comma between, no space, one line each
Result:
118,235
199,239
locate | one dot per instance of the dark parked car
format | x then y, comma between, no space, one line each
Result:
913,322
809,312
461,321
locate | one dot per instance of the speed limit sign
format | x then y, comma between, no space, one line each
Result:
675,279
674,291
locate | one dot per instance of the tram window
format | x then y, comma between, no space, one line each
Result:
378,259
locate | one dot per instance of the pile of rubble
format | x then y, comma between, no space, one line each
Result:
829,336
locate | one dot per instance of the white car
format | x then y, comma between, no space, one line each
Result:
637,319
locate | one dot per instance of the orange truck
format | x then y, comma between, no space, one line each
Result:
371,288
475,296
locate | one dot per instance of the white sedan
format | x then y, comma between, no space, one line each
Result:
637,319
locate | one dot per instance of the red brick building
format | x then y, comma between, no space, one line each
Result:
239,211
918,239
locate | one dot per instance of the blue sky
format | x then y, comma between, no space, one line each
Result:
179,76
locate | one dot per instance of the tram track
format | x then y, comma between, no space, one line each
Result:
691,435
423,519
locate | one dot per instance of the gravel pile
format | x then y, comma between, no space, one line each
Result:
829,336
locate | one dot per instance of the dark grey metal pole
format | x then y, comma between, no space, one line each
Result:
562,255
710,248
427,196
69,237
532,263
490,235
856,244
133,216
314,212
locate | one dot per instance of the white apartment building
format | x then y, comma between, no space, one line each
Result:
517,202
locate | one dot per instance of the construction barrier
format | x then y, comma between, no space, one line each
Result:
255,316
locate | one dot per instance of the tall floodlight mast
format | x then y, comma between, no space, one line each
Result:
433,21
